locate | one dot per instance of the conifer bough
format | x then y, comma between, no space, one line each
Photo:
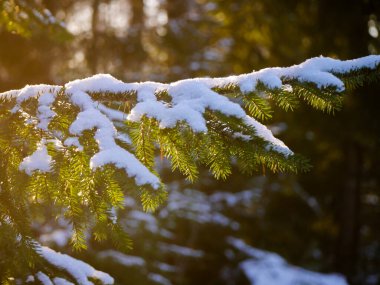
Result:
80,146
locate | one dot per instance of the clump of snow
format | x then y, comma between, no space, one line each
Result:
73,141
38,160
99,83
43,278
125,160
79,270
266,268
45,114
264,133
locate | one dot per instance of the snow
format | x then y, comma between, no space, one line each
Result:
196,206
99,83
45,280
45,114
189,100
142,216
79,270
109,152
73,141
234,199
181,250
126,260
60,237
46,99
266,268
166,267
38,160
124,138
111,113
157,278
112,214
264,133
125,160
319,71
30,91
61,281
136,218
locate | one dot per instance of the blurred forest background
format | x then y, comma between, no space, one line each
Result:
326,220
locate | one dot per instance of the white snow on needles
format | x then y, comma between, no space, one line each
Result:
189,100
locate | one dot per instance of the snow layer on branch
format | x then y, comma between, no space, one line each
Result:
45,114
109,152
99,83
79,270
73,141
318,70
125,160
189,99
266,268
264,133
30,91
38,160
43,278
61,281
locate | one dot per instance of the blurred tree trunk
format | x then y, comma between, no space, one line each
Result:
93,48
134,47
349,213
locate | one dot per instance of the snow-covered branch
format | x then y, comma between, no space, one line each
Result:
187,101
77,270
